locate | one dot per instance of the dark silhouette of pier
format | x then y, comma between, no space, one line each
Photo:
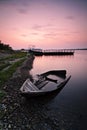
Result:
40,52
58,52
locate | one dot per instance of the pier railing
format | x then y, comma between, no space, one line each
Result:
58,50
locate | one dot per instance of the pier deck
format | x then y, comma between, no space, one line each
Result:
53,52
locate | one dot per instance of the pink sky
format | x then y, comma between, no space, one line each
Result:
44,23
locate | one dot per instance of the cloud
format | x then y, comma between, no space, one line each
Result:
36,27
70,17
5,1
51,35
29,34
42,27
8,2
22,11
34,33
21,5
23,35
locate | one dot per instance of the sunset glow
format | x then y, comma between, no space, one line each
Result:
44,23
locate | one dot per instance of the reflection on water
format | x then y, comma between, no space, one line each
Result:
76,66
72,99
45,63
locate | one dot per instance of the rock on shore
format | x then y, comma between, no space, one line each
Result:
11,104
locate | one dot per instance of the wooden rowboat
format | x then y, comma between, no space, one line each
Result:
45,83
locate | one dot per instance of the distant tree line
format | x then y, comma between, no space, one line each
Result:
4,46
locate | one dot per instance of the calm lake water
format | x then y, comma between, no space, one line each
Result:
71,101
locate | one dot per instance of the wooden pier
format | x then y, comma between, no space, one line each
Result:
58,52
52,52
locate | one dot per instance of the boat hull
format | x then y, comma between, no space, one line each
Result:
43,93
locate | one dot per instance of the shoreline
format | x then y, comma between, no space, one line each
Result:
12,100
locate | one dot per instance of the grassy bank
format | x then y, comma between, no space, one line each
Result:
6,74
13,56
